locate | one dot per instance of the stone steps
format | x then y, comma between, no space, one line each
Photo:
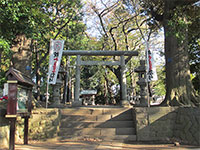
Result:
97,123
124,117
96,131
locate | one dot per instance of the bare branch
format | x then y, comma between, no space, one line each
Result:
109,9
113,38
130,30
61,28
126,36
102,25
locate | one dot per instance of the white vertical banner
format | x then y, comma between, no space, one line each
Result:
151,67
55,52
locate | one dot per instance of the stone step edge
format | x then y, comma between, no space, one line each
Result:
97,116
100,128
96,108
89,115
99,138
97,125
94,111
98,122
95,128
97,131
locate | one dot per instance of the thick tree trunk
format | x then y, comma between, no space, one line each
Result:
179,89
22,54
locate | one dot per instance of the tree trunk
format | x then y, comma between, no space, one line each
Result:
106,93
22,54
38,84
116,71
37,74
179,89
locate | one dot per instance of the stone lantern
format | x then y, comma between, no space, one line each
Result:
142,82
57,89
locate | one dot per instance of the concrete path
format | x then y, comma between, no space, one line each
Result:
86,145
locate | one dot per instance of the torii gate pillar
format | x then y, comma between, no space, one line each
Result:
76,102
124,101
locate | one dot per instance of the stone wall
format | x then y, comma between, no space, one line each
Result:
4,130
168,124
43,124
155,124
187,126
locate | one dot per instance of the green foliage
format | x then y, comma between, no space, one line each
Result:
18,17
159,85
180,21
3,79
89,79
64,22
194,51
4,46
194,47
5,61
40,20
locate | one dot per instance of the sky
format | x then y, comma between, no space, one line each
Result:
156,43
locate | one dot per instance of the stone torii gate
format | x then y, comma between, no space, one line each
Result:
79,63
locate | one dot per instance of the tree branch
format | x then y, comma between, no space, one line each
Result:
126,36
63,27
108,9
113,39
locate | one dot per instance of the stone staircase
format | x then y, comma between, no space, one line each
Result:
102,124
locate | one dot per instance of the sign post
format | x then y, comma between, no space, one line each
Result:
19,102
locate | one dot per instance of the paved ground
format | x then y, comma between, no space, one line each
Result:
85,145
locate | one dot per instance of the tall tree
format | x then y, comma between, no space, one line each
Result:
39,21
175,17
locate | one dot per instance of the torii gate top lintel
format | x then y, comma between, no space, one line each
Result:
99,53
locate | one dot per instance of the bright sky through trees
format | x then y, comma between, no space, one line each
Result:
94,28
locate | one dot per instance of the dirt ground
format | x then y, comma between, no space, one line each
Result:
86,145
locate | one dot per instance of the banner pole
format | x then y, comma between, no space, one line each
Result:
147,70
47,95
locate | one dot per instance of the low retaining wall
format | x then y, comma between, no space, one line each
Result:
43,124
4,130
187,125
168,124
